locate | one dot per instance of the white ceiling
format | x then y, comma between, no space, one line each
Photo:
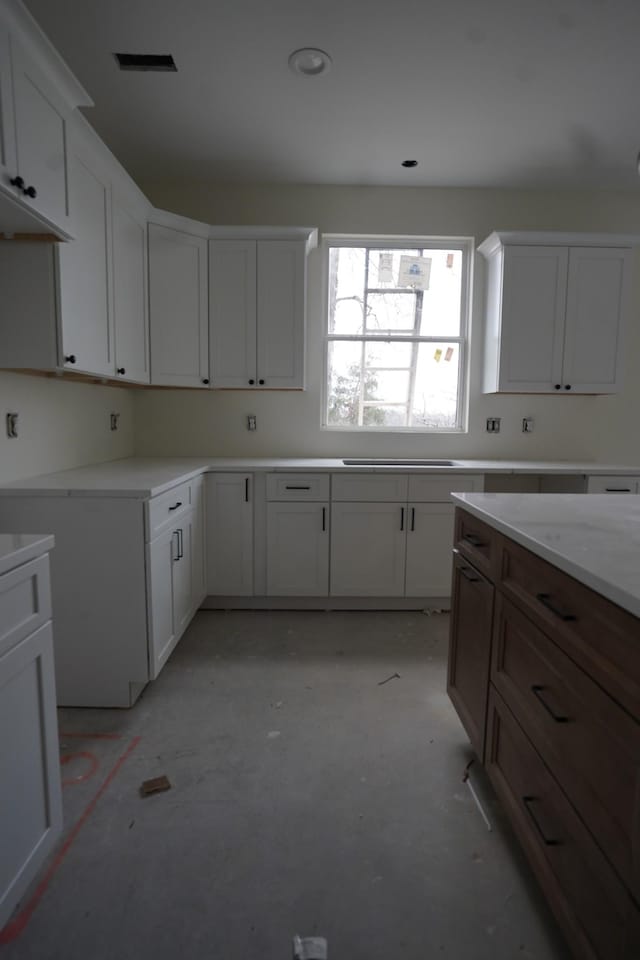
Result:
480,92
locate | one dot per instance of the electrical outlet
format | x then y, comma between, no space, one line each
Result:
527,424
113,420
493,424
252,423
12,425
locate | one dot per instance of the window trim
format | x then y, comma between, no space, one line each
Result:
387,242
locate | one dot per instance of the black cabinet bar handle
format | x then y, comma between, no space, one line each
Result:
177,504
413,519
180,544
473,540
402,518
547,601
537,690
246,489
617,489
177,556
527,805
324,519
468,574
296,488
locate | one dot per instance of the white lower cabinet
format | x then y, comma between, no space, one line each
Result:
229,536
613,484
126,578
429,556
30,796
297,549
368,549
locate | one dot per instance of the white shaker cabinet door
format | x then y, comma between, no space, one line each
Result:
297,549
232,313
163,554
281,314
429,555
41,119
229,526
597,303
532,327
198,554
178,308
30,797
84,264
183,575
130,301
368,549
8,162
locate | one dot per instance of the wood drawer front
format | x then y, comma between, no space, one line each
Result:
372,488
477,541
431,488
298,486
470,649
25,601
585,894
601,637
590,744
166,508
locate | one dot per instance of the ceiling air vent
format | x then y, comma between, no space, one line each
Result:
146,61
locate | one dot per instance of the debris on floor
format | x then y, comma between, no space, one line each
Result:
466,779
155,785
393,676
309,948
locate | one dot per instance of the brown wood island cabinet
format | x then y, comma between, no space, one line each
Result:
545,676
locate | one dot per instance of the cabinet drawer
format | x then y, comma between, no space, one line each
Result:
25,601
476,541
590,744
428,488
374,487
297,486
166,508
588,899
594,632
613,484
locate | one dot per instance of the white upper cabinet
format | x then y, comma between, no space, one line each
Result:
38,95
84,287
130,275
556,309
257,306
178,308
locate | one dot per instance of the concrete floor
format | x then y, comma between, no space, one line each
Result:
307,797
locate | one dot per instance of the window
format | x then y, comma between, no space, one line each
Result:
396,333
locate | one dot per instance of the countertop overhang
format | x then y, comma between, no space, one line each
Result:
143,477
594,538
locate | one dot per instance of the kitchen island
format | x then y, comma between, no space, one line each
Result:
544,672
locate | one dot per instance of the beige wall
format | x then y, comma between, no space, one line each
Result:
61,424
197,422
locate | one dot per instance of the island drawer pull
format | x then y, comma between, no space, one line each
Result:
527,805
467,573
291,487
473,540
547,601
536,690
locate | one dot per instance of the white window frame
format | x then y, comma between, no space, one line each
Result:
466,246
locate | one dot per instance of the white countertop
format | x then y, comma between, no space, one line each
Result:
19,548
142,477
594,538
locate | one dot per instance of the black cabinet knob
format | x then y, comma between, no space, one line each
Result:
567,386
261,382
30,192
71,358
205,379
17,182
120,370
252,382
558,385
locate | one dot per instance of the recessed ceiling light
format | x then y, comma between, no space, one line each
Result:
309,62
409,163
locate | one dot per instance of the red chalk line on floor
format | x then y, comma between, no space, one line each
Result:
15,927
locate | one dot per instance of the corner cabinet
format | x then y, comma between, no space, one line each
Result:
557,306
545,677
257,307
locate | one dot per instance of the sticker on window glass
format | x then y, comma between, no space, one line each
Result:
385,268
449,353
414,272
437,355
449,261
